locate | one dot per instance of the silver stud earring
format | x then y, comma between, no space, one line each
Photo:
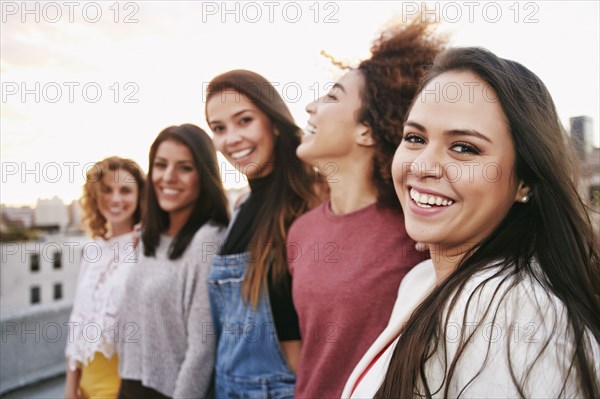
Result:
525,199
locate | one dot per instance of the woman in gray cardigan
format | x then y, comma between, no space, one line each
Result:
167,346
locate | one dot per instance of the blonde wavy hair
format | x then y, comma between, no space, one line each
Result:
92,219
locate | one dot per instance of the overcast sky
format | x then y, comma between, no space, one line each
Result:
85,80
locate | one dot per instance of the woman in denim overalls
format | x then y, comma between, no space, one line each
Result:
249,284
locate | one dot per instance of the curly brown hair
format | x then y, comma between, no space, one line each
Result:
92,219
392,74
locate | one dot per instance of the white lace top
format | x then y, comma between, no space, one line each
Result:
93,324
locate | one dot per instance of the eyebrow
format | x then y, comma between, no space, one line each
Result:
233,116
452,132
339,86
157,158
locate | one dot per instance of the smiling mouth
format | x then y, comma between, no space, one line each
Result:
310,129
428,200
241,154
169,191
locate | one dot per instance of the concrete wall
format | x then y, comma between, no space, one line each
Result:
32,346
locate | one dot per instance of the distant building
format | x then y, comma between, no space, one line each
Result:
51,215
74,211
582,135
21,217
589,156
40,272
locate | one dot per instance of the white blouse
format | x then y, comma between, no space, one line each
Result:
93,323
519,323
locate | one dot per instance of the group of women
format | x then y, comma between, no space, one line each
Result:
313,288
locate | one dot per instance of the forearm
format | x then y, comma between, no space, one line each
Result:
72,378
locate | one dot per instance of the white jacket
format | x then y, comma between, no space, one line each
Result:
519,323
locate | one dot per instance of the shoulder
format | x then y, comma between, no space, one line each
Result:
514,325
206,242
504,289
422,273
208,233
307,219
415,286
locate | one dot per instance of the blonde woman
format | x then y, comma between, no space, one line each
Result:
112,206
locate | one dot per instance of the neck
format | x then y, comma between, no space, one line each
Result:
177,220
446,259
120,229
351,186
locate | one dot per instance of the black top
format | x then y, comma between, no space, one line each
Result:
244,226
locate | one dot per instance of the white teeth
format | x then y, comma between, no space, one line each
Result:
241,154
115,210
310,129
426,200
169,191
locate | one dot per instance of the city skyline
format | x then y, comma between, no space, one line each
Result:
90,80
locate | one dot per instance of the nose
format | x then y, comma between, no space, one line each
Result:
428,164
170,174
115,197
232,137
311,107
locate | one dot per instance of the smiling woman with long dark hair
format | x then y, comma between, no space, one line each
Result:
166,349
508,305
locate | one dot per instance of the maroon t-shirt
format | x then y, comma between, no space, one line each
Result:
346,270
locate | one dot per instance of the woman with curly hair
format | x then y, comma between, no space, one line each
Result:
508,304
111,204
349,255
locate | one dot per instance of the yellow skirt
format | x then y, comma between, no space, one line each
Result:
100,378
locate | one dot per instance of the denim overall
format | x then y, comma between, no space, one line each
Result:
249,361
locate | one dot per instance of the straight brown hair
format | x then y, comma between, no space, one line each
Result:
293,189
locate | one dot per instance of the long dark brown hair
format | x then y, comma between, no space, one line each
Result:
553,228
293,189
211,205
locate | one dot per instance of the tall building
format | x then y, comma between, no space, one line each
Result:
582,135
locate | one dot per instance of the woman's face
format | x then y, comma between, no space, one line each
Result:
175,177
333,130
454,169
118,198
242,133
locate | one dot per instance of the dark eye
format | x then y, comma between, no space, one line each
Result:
245,120
332,97
106,189
217,129
186,168
413,138
160,165
465,148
